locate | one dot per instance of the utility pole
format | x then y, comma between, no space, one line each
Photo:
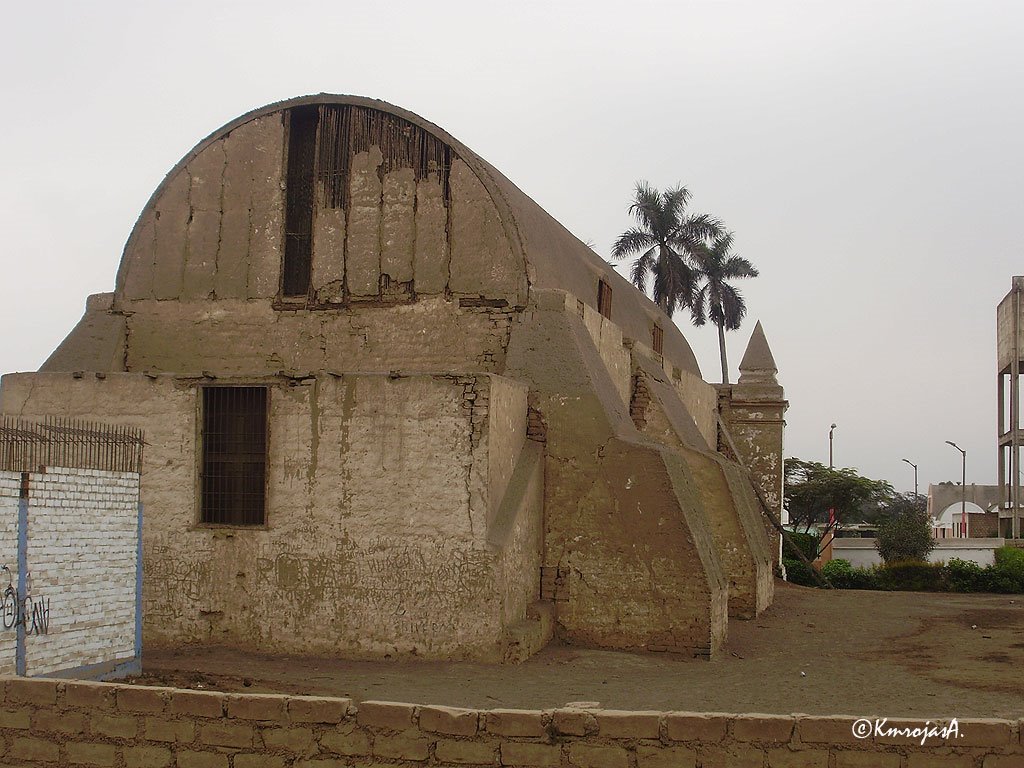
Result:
963,490
915,476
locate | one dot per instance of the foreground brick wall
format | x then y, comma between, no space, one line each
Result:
50,722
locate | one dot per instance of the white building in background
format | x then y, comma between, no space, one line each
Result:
957,520
945,507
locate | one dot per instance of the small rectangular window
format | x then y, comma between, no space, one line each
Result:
234,439
604,299
657,339
298,226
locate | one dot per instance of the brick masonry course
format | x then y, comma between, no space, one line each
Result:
56,722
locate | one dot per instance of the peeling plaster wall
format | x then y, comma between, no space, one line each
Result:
221,337
424,262
215,230
376,538
733,517
754,415
622,519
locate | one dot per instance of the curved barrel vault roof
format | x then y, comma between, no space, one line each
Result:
553,257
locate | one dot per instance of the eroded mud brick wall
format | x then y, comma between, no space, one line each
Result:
50,722
628,559
390,220
379,501
753,423
312,243
78,597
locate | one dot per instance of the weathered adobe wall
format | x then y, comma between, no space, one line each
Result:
411,338
734,520
623,524
81,545
379,495
216,228
214,232
754,415
48,722
617,352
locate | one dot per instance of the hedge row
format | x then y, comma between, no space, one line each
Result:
1005,576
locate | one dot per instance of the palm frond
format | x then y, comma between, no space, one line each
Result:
736,267
631,241
698,306
646,206
733,308
674,202
641,268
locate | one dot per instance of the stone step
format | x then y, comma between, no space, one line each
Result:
528,636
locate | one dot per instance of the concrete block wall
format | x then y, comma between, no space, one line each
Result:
50,722
80,588
10,490
82,555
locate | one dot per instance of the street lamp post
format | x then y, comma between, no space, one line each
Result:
833,522
830,431
915,476
963,489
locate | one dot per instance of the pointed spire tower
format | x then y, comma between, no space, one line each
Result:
752,412
758,363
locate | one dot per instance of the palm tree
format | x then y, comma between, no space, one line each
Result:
668,240
716,299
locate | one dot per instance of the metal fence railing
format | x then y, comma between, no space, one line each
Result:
56,441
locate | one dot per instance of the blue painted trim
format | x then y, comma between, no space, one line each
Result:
104,670
138,591
19,654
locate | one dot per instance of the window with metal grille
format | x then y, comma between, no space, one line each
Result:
657,339
234,464
298,226
604,299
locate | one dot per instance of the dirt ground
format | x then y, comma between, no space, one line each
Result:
888,654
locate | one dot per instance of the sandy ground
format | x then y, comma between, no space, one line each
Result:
819,652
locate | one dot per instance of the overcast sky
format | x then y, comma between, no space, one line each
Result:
868,158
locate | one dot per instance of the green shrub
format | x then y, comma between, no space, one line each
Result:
837,567
912,576
965,575
805,542
842,575
798,573
1007,575
999,580
1011,556
1010,564
904,533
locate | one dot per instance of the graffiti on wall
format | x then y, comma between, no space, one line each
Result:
31,613
423,591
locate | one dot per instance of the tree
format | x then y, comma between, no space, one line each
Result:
716,299
811,489
667,239
905,532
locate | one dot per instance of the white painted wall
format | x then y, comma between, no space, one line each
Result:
10,485
861,553
82,549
